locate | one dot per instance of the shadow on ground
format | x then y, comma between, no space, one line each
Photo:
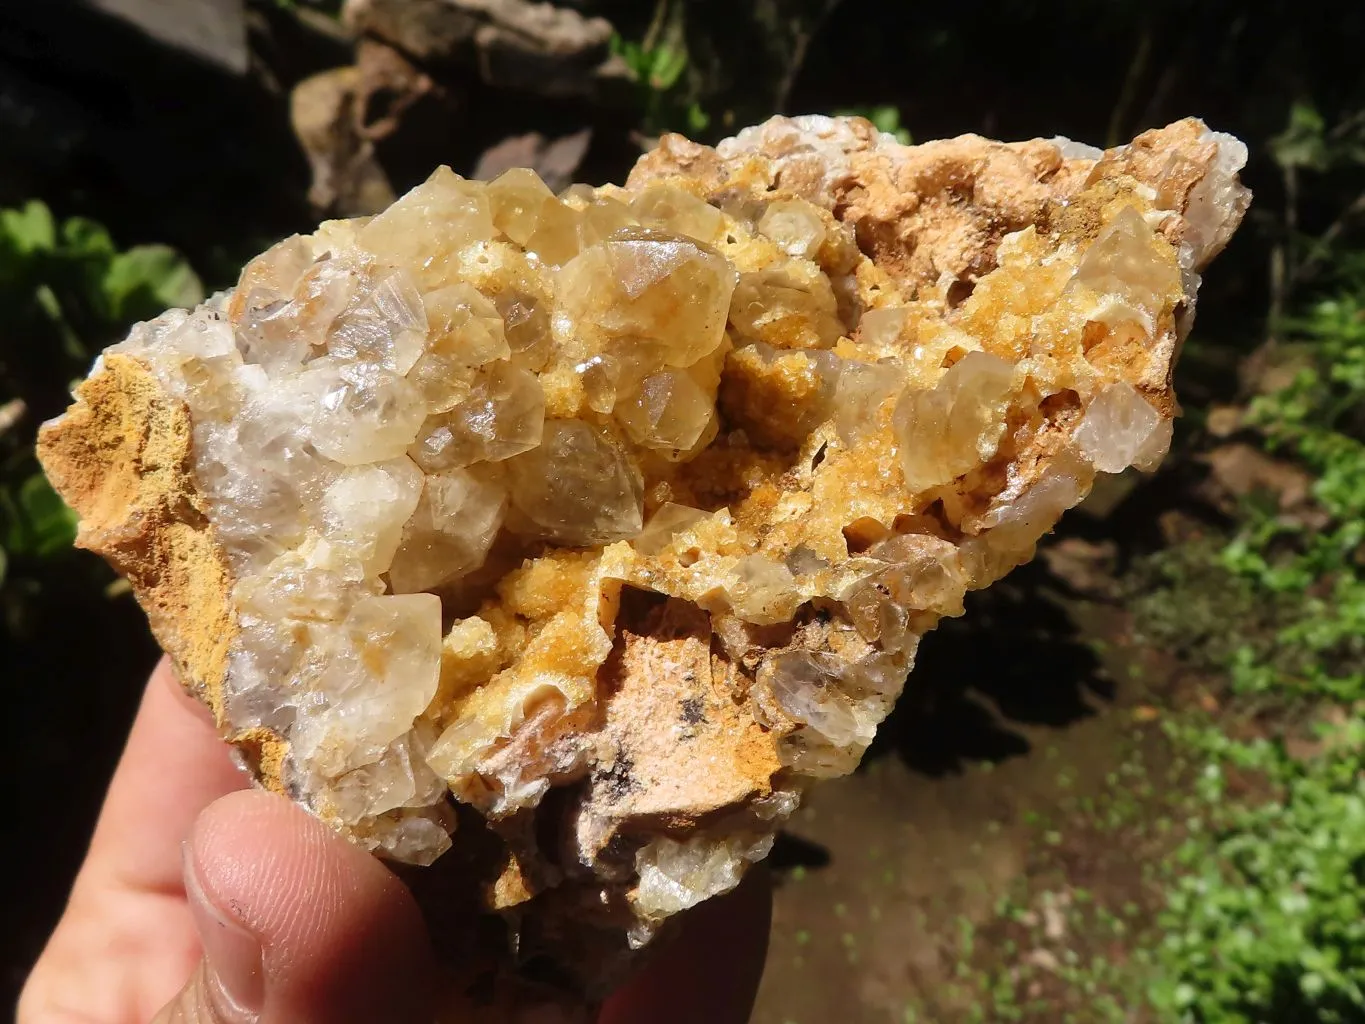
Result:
1015,658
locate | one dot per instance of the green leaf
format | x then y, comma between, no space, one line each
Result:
84,237
698,120
49,524
1303,143
30,229
147,279
667,63
633,54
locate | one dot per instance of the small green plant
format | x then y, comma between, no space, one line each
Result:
1266,918
1266,915
1316,420
66,290
658,64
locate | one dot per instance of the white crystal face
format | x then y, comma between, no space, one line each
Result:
1121,429
441,448
365,412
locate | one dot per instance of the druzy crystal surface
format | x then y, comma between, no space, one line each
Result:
604,522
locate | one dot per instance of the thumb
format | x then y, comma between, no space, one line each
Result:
297,925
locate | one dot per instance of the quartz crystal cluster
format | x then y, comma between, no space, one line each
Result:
600,523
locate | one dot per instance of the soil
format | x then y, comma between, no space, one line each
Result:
1023,781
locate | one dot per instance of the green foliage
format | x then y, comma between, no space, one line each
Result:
34,520
1187,602
1301,144
69,282
1307,143
658,67
1266,917
1316,420
658,63
66,290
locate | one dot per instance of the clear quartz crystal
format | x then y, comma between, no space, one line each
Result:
517,200
275,273
365,412
450,532
413,837
1213,199
465,325
601,377
881,328
389,327
792,306
1121,429
501,415
667,410
670,520
466,332
807,687
667,289
676,875
526,212
862,390
921,573
399,778
264,473
268,334
764,591
380,671
795,225
602,218
284,305
429,226
1016,525
578,486
366,507
669,208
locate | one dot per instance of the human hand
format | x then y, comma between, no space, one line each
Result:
203,902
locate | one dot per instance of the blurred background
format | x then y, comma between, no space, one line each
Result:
1127,785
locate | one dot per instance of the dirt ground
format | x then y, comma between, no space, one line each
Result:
1022,788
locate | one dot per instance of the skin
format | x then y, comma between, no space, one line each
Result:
203,901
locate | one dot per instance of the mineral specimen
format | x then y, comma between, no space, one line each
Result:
604,522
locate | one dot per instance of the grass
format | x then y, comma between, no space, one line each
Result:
1265,916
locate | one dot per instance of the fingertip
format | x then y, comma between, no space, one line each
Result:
341,938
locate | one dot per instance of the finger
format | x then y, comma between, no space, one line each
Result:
710,969
297,924
124,941
173,766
